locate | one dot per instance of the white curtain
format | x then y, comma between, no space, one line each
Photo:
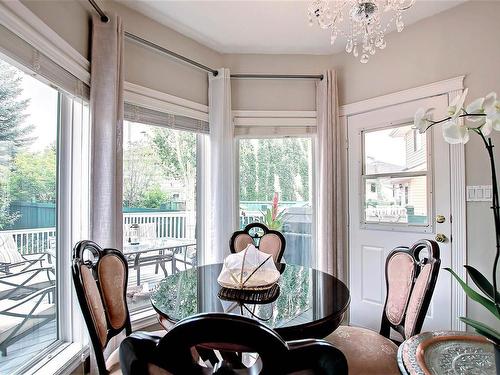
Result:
106,103
221,209
330,212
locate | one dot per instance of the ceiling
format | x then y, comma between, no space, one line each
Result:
258,26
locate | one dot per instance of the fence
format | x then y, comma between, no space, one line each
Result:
31,241
168,224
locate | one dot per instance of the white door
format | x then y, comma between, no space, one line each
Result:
398,182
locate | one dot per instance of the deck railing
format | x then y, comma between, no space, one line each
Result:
30,241
180,224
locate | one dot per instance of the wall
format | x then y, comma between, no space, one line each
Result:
463,40
143,66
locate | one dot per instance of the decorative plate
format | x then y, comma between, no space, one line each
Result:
258,280
448,353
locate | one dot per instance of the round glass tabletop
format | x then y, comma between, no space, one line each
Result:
309,304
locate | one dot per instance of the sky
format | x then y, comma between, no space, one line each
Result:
41,111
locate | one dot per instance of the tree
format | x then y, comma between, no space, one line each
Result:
177,152
13,132
140,169
33,176
274,165
154,197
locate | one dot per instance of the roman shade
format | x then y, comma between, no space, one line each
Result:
136,113
19,52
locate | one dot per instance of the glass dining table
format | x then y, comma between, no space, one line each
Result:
307,303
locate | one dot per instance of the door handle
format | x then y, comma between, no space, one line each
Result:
440,237
440,219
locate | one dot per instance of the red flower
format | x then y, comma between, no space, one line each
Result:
274,212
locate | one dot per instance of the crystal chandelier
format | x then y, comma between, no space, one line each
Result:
362,22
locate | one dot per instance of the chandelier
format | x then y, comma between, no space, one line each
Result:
362,22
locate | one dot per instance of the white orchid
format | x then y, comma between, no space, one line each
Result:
492,109
476,108
421,120
455,132
456,106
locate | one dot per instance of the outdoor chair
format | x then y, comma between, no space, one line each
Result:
12,261
186,256
410,281
19,318
100,277
228,337
268,241
21,275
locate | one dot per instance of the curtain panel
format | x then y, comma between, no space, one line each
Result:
330,219
220,209
106,103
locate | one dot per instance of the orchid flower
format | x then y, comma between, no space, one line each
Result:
455,131
422,119
456,106
492,109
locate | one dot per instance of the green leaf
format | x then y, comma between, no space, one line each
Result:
475,296
482,282
482,329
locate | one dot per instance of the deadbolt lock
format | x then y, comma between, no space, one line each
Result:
440,219
440,237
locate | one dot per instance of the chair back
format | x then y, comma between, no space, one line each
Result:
411,275
8,249
266,240
100,277
239,334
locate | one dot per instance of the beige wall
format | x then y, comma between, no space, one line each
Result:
463,40
143,66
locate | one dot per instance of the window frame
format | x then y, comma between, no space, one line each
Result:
146,316
428,173
315,258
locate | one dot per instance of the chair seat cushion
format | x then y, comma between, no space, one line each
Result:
113,361
367,352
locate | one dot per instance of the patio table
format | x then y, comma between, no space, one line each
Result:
166,249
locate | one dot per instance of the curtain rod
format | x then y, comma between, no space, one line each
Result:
138,39
173,54
278,76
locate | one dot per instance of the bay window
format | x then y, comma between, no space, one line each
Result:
44,138
160,175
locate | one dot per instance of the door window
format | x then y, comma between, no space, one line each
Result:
395,177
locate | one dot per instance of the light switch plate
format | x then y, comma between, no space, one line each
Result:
479,193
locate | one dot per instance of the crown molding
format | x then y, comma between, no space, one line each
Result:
436,88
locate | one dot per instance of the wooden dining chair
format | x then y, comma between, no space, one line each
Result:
100,277
266,240
410,280
228,333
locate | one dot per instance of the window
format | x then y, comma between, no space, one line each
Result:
279,171
395,174
159,205
29,113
